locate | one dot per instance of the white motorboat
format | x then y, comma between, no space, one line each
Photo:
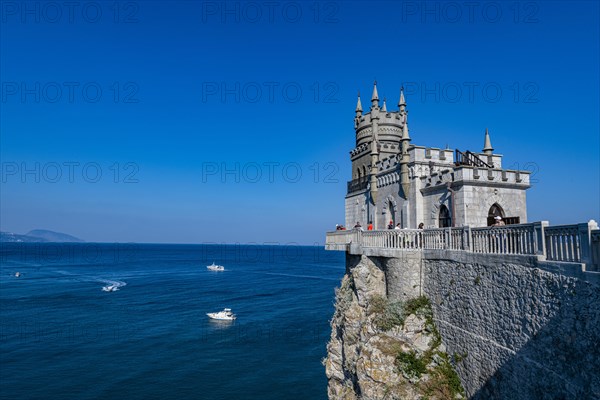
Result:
17,274
110,288
215,267
225,315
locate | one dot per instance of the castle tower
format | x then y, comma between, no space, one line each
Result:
379,141
374,144
405,158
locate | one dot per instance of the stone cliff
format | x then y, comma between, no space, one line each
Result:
428,324
385,349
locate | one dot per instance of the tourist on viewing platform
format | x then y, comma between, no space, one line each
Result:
499,221
370,226
398,227
391,225
358,226
421,226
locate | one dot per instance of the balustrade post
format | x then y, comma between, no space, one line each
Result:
584,232
447,238
467,242
539,238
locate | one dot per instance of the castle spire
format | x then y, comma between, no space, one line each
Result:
358,105
402,102
404,159
487,145
384,108
375,96
405,135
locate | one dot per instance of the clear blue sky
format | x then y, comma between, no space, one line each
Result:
126,114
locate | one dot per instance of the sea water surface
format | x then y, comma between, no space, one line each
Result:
62,337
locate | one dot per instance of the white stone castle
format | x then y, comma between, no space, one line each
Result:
394,180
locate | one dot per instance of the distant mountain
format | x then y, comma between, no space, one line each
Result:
8,237
51,236
37,235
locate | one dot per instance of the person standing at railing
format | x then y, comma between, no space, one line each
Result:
420,236
398,227
370,226
358,226
391,225
499,239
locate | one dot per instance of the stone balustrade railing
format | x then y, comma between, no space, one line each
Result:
514,239
569,243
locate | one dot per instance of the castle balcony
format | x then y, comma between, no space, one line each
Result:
577,243
470,159
357,185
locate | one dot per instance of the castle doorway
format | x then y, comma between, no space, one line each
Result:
444,219
495,211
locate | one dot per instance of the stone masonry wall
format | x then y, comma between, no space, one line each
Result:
521,330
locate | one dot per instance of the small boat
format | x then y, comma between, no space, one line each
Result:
17,274
110,288
215,267
225,315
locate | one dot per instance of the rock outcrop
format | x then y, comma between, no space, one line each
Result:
381,349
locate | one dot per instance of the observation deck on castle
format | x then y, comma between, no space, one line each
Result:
578,243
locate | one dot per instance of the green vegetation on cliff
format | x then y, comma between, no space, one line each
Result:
441,380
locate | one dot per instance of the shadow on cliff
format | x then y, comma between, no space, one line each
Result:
560,360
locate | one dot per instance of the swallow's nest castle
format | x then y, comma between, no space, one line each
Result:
394,180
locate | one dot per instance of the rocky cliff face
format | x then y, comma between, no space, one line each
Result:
381,349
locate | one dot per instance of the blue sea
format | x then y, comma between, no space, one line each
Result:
63,337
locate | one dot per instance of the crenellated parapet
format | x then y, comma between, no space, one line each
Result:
430,178
360,150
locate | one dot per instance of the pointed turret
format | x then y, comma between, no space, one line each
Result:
402,102
487,145
375,96
358,106
384,108
405,134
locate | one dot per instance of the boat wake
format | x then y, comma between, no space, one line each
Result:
112,286
109,284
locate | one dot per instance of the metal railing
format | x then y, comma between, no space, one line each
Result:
470,159
358,184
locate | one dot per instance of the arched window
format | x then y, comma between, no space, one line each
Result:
358,173
444,219
495,211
